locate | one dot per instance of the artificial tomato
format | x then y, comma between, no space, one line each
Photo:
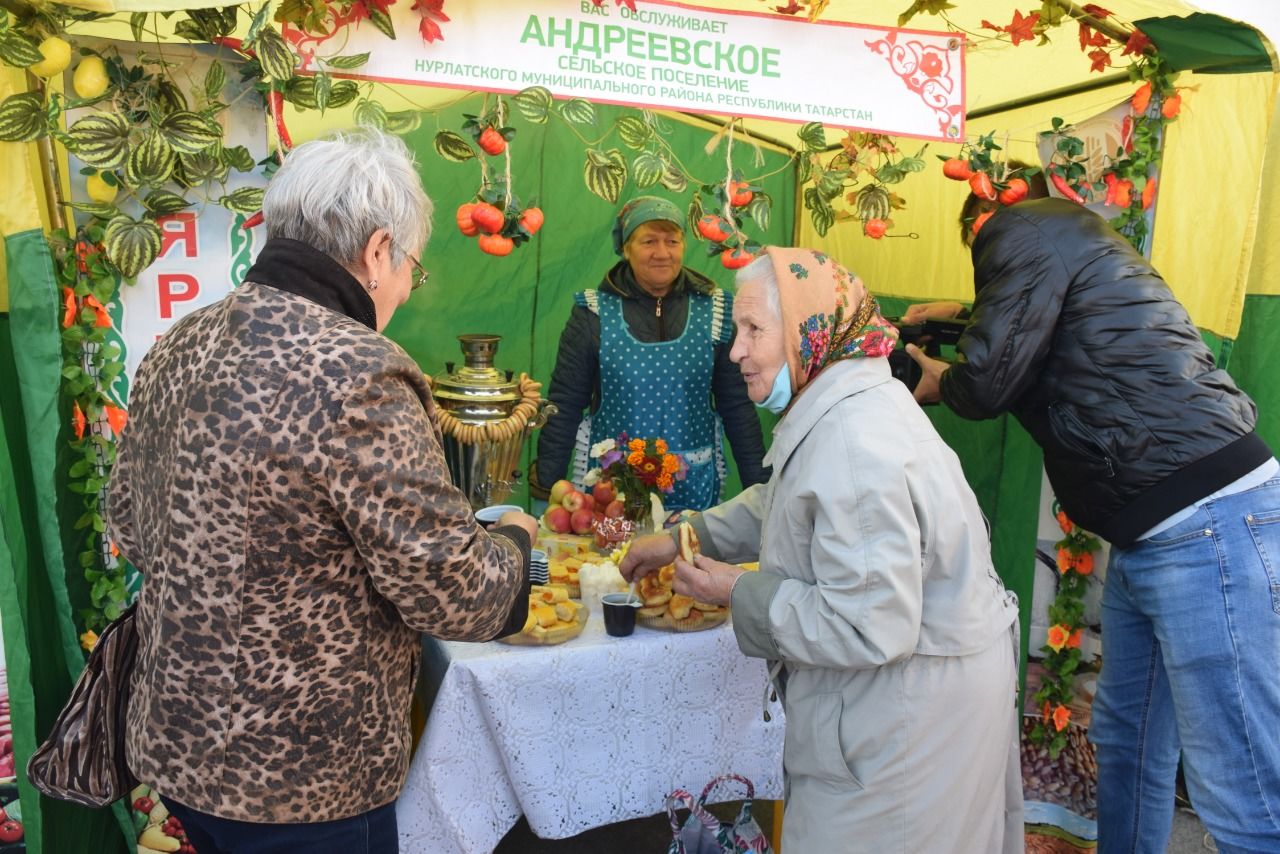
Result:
531,220
487,218
980,183
714,228
465,223
496,244
491,141
1015,192
740,194
874,228
736,257
957,169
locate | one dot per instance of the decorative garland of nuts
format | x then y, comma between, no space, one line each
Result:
496,431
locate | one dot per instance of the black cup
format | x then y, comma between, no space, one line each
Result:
619,613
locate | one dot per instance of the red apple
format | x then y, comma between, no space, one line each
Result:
603,493
588,502
614,509
582,520
559,520
559,490
574,501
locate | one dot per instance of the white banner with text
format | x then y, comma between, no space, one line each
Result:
673,56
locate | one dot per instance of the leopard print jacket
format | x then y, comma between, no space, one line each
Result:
282,487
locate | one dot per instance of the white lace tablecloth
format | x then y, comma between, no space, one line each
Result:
587,733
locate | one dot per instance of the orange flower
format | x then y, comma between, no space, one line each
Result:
1081,563
670,464
1169,109
665,482
1060,717
77,420
1064,523
1058,637
89,640
101,318
1141,99
69,304
1084,563
115,550
636,446
116,417
1044,712
1073,642
636,457
660,445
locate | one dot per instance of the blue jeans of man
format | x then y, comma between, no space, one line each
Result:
1191,662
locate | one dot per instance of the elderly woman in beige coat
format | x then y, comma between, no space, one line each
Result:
888,631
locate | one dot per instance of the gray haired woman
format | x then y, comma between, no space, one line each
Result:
282,488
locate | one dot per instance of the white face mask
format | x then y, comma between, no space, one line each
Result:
780,394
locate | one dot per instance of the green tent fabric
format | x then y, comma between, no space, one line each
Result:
1255,356
36,606
1209,44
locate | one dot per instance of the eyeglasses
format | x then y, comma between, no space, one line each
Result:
420,273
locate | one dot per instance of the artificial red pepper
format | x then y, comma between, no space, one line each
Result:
1066,189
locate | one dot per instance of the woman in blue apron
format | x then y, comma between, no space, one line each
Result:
647,353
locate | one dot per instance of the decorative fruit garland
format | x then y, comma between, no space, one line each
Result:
1129,179
495,214
1066,624
91,363
863,157
989,177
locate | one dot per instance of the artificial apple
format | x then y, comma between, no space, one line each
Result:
559,520
603,493
582,520
559,490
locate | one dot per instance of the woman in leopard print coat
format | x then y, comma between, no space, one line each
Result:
281,485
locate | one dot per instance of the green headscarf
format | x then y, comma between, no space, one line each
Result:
640,210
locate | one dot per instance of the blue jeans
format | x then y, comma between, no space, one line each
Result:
1191,661
373,832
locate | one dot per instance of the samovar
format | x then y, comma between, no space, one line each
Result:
486,415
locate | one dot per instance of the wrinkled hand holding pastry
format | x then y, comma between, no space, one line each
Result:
701,578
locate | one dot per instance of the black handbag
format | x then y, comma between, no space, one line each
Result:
83,759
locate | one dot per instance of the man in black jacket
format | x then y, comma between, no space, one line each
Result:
652,300
1147,443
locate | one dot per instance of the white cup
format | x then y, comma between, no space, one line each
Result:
489,516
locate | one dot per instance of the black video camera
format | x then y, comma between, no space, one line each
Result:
929,337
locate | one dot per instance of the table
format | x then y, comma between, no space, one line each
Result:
587,733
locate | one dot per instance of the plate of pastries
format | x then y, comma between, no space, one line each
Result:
664,608
553,618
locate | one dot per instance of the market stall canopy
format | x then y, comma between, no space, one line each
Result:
1186,37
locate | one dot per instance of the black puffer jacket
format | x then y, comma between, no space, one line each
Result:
1074,333
575,383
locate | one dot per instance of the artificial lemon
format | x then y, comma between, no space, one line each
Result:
57,56
90,79
100,191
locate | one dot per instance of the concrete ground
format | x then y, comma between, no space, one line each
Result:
652,835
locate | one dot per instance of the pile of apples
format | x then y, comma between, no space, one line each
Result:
572,512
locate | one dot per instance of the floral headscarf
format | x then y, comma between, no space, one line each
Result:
827,314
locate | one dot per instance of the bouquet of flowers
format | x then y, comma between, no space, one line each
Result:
636,469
